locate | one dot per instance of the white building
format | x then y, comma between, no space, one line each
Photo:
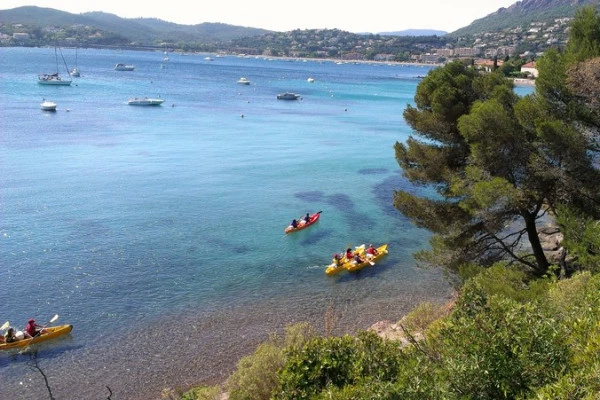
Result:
529,68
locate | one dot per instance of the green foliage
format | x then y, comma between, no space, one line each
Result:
581,237
508,337
504,282
256,375
477,155
203,393
584,35
422,316
336,362
500,349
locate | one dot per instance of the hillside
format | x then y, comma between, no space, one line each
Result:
522,14
145,31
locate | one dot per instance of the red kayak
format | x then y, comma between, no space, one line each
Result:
303,224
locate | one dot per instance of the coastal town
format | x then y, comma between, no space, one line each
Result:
485,48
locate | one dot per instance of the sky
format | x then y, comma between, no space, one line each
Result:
371,16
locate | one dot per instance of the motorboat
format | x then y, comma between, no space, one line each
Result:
145,101
48,105
288,96
243,81
124,67
310,80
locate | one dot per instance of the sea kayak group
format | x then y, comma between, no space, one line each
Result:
350,260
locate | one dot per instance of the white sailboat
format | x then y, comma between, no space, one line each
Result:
55,78
75,71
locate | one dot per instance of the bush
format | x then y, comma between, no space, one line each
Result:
256,375
337,362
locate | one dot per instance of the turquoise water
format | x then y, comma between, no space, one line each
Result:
158,231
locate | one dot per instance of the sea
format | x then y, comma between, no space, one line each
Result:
158,232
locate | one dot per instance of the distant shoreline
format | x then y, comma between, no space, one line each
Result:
524,82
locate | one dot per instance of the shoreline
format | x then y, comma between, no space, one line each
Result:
523,82
183,351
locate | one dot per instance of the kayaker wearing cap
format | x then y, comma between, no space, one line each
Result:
32,328
371,251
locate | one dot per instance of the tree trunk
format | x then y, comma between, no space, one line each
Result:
536,245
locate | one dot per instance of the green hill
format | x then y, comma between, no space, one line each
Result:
142,31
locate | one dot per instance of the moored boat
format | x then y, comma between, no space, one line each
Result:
124,67
243,81
48,105
55,79
144,101
51,332
303,224
288,96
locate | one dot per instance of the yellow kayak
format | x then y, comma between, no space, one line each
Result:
52,332
380,252
344,263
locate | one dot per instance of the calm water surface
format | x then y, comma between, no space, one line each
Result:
157,232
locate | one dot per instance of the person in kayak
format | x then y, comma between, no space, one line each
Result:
371,251
336,260
349,254
10,336
358,259
32,329
307,218
294,224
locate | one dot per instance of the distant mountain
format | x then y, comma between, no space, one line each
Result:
149,31
523,13
414,32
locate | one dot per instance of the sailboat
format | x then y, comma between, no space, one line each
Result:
75,71
55,78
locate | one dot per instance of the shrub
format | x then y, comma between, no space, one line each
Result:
337,362
256,375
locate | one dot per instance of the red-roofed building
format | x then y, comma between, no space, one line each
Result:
529,68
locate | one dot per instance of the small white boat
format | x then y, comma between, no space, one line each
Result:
124,67
144,101
75,71
288,96
48,105
243,81
311,80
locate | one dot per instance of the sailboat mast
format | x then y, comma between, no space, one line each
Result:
64,61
